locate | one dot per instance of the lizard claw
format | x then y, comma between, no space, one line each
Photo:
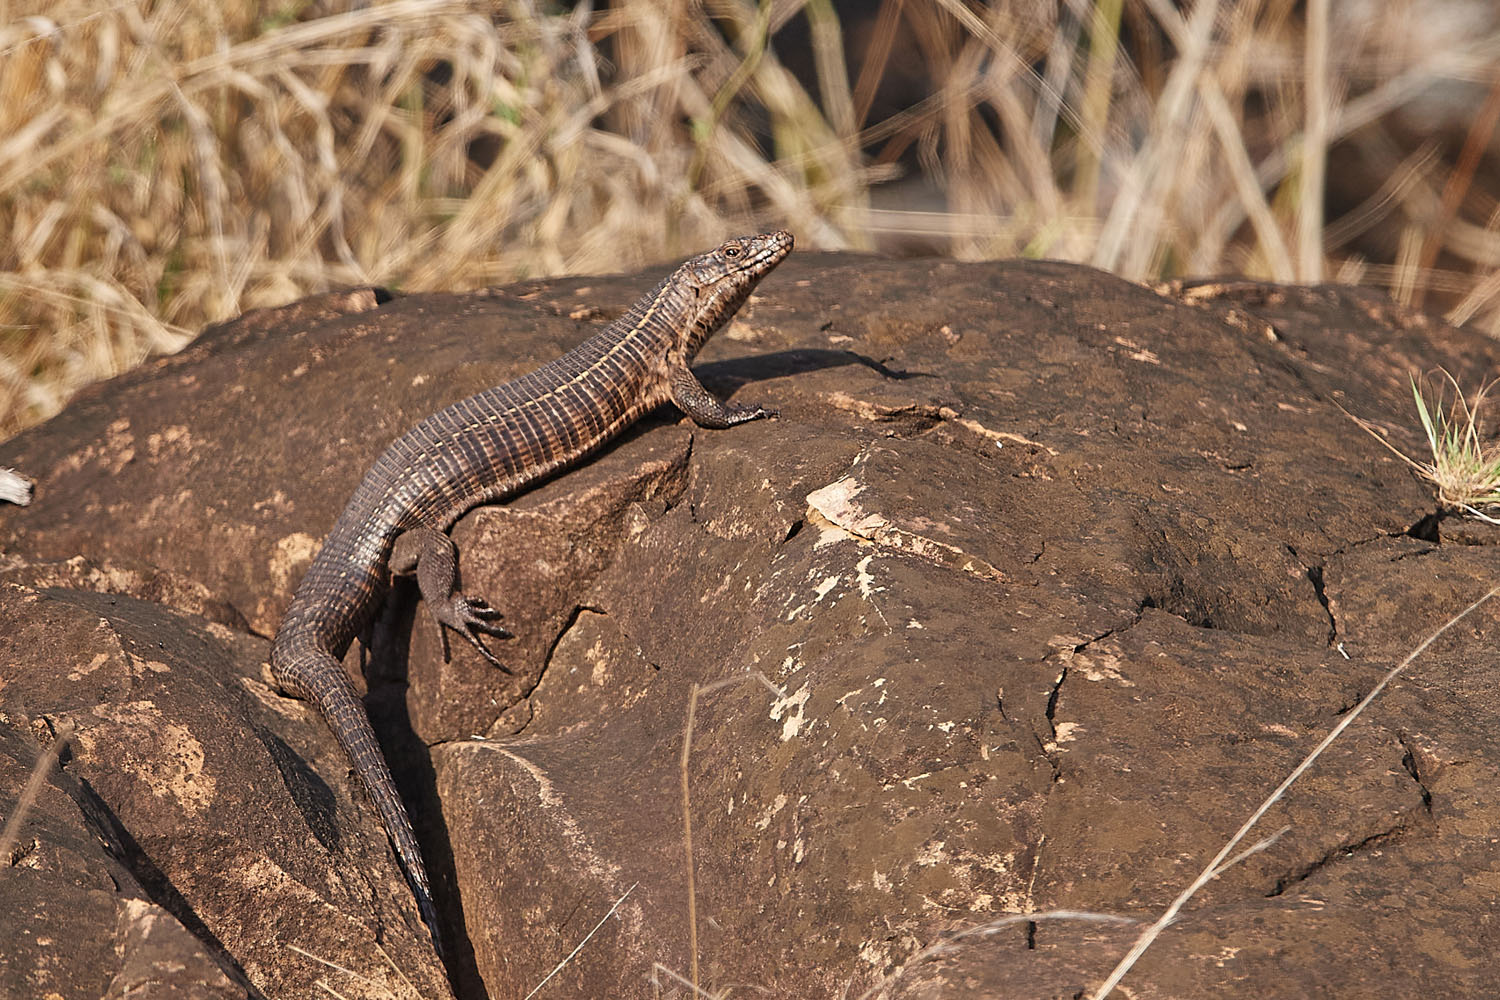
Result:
469,617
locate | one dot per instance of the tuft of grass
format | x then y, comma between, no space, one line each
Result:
1465,467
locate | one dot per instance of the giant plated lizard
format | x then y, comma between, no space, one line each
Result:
480,450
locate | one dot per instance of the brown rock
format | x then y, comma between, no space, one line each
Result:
223,804
1039,585
76,921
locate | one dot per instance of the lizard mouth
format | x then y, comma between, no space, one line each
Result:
778,245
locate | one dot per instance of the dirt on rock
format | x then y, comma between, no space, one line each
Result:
1040,583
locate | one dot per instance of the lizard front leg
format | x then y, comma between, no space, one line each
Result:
432,557
704,407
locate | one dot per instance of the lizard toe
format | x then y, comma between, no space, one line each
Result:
739,414
484,650
476,615
470,618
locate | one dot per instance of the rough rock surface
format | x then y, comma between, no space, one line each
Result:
1039,585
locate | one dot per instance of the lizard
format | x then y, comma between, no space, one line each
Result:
481,450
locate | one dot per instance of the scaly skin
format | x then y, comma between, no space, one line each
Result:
480,450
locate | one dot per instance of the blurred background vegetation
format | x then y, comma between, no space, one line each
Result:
169,163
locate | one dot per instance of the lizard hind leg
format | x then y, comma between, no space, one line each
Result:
432,557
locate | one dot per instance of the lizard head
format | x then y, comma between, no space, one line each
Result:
723,278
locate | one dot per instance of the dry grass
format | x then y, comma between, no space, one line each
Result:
21,808
1465,464
369,987
167,164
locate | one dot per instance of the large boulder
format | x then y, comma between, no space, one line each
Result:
1038,585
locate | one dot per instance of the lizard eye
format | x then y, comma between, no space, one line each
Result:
731,252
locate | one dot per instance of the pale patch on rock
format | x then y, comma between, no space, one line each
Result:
837,503
176,439
1097,667
882,412
792,707
828,532
552,800
264,691
164,755
931,854
823,588
599,658
866,580
119,445
222,632
99,660
777,804
290,556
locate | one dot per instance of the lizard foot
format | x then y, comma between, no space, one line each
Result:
739,414
469,617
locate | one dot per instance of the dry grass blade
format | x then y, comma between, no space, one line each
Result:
1131,236
657,969
357,977
947,942
574,953
1478,139
687,799
1314,158
1217,865
40,772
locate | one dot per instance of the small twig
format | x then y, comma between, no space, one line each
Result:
678,977
1253,849
397,969
334,965
373,984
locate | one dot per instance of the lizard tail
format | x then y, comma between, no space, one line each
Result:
336,698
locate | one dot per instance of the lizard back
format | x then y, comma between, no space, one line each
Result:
485,448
